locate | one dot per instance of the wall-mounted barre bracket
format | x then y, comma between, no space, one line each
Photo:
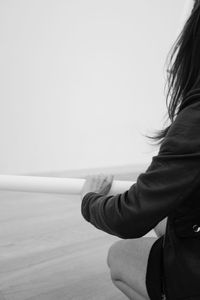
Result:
55,185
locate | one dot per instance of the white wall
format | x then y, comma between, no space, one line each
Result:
82,81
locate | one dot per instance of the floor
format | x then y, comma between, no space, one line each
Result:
48,251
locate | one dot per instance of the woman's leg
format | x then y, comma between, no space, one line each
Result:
127,260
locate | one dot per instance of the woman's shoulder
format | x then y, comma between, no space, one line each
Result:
184,133
188,118
190,99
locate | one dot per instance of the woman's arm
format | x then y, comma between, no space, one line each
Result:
161,228
166,184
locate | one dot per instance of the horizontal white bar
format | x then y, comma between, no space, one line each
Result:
55,185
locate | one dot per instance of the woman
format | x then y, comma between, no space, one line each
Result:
167,267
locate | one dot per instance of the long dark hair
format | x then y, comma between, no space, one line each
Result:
183,75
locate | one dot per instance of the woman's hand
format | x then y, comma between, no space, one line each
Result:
97,184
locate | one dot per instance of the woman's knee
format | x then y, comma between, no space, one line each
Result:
128,257
112,254
113,258
127,260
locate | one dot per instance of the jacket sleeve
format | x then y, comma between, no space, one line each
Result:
167,182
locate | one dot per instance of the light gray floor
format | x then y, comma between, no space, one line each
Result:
48,251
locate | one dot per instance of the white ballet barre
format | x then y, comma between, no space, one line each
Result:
54,185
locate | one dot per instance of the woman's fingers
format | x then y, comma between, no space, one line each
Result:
104,179
106,183
100,183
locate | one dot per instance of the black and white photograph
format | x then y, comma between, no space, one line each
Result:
99,150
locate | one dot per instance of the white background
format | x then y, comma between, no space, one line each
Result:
82,81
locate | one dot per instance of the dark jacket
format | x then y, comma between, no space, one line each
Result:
170,187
